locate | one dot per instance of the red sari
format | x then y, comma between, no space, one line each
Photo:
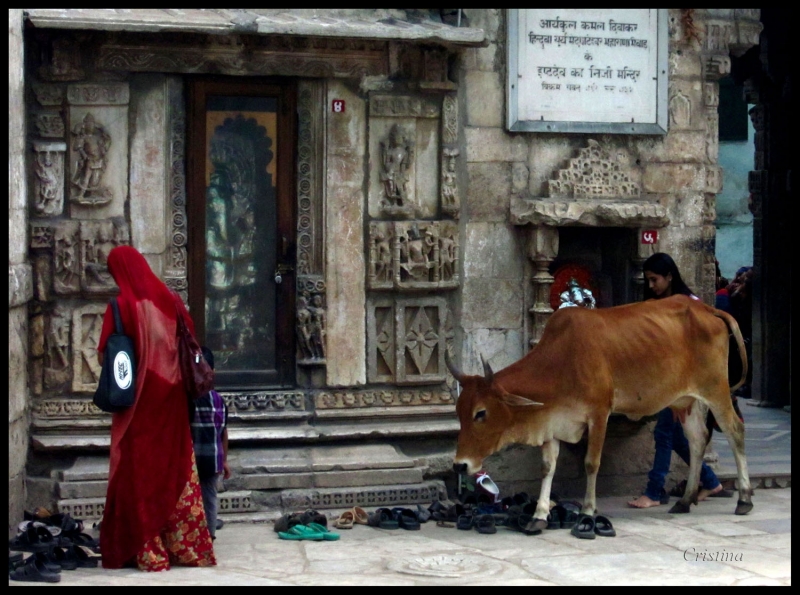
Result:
154,510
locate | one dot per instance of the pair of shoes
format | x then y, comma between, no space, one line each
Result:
446,513
588,527
406,518
35,570
309,532
563,515
33,537
383,518
354,516
464,522
69,558
485,524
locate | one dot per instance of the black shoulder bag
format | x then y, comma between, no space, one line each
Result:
116,390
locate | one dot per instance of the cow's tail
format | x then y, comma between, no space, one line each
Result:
734,328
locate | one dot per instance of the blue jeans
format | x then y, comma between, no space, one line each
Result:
669,436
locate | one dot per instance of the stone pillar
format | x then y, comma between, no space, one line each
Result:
542,250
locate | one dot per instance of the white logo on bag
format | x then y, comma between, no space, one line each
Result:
122,370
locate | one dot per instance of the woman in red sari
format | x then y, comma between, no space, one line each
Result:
154,509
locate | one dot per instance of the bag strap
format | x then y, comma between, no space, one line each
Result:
117,318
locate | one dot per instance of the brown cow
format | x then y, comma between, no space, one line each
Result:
634,359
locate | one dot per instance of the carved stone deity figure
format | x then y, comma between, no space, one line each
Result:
576,296
449,188
415,253
318,326
304,339
447,257
396,157
383,257
48,167
91,143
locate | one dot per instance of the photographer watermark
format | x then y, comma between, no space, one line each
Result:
693,554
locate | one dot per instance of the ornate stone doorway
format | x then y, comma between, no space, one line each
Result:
240,207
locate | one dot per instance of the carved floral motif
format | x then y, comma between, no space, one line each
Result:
593,173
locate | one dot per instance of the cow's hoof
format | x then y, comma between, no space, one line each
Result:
743,507
680,508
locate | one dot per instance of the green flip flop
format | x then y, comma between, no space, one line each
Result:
302,533
327,534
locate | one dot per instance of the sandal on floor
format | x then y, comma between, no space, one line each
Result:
445,524
33,539
383,519
312,516
360,516
464,522
301,533
554,518
34,570
603,527
584,527
327,534
345,520
406,518
485,524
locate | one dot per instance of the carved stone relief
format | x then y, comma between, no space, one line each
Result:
65,61
48,178
407,339
402,106
175,269
80,251
267,55
396,161
310,187
450,119
52,409
57,370
87,323
680,110
66,258
242,404
41,236
347,399
98,238
311,323
451,203
48,124
48,95
90,145
99,94
594,173
413,255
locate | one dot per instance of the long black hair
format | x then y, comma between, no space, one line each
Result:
662,264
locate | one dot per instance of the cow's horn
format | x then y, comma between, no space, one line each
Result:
457,374
487,370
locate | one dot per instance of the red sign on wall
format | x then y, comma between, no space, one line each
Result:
337,106
649,236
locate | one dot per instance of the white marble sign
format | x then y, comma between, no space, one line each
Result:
587,70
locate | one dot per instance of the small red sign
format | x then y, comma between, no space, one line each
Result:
337,106
649,236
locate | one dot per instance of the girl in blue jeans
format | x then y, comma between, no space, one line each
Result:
663,280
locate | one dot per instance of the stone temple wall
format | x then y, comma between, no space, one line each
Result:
676,178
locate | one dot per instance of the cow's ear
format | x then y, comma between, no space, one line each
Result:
517,401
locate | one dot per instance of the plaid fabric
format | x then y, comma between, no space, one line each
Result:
210,419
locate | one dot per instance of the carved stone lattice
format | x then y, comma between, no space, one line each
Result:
406,340
377,497
175,271
48,178
87,323
90,144
451,203
311,324
593,173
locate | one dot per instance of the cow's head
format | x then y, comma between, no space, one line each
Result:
486,413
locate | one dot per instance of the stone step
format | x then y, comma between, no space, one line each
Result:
253,506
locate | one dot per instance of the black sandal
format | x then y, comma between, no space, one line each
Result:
34,570
35,538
